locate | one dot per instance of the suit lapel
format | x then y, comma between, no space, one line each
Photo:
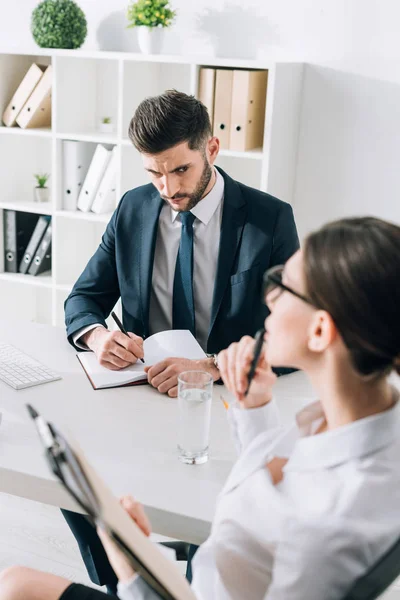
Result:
233,219
150,213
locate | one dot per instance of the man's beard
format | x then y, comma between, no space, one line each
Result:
195,197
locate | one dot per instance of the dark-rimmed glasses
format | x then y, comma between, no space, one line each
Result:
273,281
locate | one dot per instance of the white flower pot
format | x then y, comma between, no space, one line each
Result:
150,39
106,127
42,194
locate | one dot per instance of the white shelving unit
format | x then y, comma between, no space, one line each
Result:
87,86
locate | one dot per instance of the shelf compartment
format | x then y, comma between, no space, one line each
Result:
133,173
32,303
247,172
73,249
144,79
25,157
86,92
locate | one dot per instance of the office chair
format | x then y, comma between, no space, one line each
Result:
373,583
367,587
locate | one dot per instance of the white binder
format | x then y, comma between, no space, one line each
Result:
76,157
105,200
93,178
36,112
21,95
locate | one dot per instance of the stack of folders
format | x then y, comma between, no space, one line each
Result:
27,242
236,101
89,180
30,106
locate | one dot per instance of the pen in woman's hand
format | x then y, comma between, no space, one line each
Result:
121,327
259,341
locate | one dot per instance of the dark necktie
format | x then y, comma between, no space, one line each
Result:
183,303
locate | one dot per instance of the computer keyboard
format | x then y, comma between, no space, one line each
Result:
19,370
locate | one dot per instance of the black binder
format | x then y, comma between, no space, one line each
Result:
42,259
33,243
18,227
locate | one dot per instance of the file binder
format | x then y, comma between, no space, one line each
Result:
18,228
22,93
36,112
105,200
223,106
249,93
207,90
42,259
76,157
93,178
33,243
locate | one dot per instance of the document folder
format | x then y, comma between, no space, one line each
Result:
18,229
106,196
68,463
36,112
249,92
206,93
23,92
223,106
93,178
34,242
76,158
41,262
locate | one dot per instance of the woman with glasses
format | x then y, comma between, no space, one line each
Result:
307,509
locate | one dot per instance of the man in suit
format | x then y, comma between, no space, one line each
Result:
187,251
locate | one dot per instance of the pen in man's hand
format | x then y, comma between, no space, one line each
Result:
259,341
121,327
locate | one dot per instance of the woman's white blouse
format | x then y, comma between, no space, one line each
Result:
335,512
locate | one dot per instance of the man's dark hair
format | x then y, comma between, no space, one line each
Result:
161,122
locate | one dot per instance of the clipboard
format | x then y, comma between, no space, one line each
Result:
68,463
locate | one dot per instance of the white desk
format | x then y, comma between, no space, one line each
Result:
128,434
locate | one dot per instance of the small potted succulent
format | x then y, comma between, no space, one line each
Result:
42,192
106,125
151,17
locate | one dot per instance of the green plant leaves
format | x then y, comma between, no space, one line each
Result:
150,13
58,24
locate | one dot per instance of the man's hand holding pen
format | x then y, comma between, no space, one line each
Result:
114,349
235,365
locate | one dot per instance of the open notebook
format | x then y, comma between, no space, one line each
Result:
82,482
157,347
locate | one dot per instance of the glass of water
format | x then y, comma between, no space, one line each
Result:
194,406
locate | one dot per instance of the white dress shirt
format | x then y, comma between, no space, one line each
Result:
334,513
206,236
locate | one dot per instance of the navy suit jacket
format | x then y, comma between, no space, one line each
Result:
257,232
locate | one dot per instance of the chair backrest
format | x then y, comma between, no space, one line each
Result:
373,583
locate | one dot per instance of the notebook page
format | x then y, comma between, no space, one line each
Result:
177,342
162,345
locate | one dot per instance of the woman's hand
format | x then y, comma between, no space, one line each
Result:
234,365
118,560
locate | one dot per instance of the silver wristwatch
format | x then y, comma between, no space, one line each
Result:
215,359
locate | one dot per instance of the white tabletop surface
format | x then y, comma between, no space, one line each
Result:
128,434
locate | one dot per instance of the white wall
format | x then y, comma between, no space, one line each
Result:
349,138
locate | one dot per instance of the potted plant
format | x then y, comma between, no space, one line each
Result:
58,24
106,125
42,193
151,17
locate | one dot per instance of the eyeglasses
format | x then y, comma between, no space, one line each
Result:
272,282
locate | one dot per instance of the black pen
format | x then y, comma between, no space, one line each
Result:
259,341
121,327
42,427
